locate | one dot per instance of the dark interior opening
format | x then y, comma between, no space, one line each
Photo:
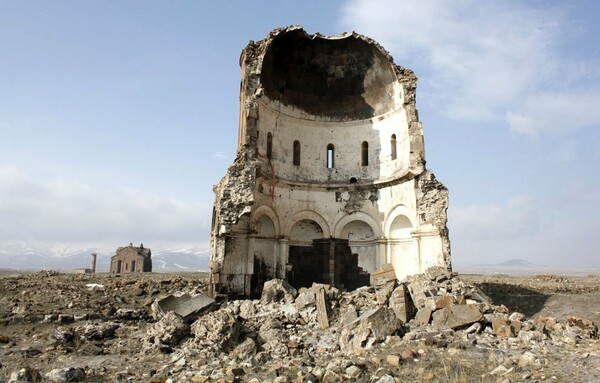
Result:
306,269
343,78
329,261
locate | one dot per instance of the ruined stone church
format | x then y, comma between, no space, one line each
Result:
329,183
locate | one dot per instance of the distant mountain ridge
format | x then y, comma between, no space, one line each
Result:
519,267
22,257
517,263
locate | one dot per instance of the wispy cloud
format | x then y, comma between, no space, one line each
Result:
220,155
517,218
556,230
63,213
487,61
554,112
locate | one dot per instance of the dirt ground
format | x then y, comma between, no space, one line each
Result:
543,295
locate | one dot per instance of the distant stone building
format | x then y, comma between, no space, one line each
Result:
131,259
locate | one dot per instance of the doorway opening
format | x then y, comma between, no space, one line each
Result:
328,261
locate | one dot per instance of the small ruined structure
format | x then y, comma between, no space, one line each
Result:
92,268
131,259
329,183
93,263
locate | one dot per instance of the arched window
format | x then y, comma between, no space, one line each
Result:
393,148
297,153
269,145
330,156
364,154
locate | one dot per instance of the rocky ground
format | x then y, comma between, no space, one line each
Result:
438,327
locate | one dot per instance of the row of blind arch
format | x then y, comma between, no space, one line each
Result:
364,151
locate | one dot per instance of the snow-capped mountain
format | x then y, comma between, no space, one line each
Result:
35,257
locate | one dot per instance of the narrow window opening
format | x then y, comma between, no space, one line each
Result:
393,143
269,145
257,144
353,180
330,156
297,153
364,154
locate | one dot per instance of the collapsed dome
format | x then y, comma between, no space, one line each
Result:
345,78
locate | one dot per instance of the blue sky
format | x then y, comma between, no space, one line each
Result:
118,117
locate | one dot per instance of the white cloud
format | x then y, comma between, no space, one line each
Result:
546,112
66,213
220,155
555,231
517,218
485,61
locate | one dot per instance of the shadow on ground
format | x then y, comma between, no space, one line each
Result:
516,298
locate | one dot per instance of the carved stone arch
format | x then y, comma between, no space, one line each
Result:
400,212
307,215
268,211
358,216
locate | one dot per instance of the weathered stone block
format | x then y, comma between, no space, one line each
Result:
401,304
457,316
373,326
219,330
423,316
393,360
184,305
276,290
440,302
502,328
170,329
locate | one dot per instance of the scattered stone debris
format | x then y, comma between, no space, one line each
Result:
428,327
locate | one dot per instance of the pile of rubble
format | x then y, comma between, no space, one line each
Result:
417,329
326,335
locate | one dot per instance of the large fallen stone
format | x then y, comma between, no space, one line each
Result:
589,327
383,275
305,298
277,290
219,330
502,328
25,374
421,288
170,329
423,316
457,316
271,329
371,327
184,305
63,375
440,302
245,349
439,274
97,331
401,304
